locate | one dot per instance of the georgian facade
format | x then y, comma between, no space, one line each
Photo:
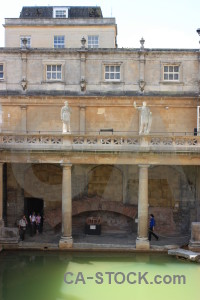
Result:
104,167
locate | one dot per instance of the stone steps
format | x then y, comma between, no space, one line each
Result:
187,254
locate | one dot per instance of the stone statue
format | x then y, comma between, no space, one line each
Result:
65,117
145,118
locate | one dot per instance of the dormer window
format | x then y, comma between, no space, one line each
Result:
60,12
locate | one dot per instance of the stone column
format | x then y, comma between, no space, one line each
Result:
142,242
23,118
66,239
1,195
82,119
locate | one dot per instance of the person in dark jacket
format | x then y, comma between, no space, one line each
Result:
151,227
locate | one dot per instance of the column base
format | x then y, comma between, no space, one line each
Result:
142,244
194,246
65,242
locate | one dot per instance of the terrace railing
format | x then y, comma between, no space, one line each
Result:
101,142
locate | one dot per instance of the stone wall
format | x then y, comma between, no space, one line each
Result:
44,115
44,37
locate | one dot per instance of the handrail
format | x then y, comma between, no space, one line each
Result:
114,132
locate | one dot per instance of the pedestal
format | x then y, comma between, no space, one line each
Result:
142,244
65,242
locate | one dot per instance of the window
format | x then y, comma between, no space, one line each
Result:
171,73
59,41
93,41
1,71
54,72
60,12
28,41
112,73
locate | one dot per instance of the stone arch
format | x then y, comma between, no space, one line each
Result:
115,217
97,204
44,181
106,181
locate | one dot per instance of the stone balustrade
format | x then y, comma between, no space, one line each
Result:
99,142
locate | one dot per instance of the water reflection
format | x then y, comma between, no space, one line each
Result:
40,275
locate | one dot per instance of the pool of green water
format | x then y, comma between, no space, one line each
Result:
95,276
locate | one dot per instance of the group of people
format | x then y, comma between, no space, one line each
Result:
35,225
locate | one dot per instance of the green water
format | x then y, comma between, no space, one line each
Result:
43,275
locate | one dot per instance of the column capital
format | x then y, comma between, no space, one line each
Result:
66,165
82,107
144,166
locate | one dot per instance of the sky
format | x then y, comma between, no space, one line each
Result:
162,23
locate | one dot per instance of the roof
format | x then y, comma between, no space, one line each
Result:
74,12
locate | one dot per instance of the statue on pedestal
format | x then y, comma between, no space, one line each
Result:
65,117
145,118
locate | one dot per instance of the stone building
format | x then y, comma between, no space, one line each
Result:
104,167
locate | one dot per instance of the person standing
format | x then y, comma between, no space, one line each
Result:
22,227
151,227
38,223
32,219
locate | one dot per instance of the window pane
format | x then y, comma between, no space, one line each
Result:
176,69
111,68
48,75
53,68
117,76
107,68
170,68
176,76
54,75
165,68
59,76
48,68
106,76
118,69
1,67
60,14
165,76
59,68
170,76
111,75
1,75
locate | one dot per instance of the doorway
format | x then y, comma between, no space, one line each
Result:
33,205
